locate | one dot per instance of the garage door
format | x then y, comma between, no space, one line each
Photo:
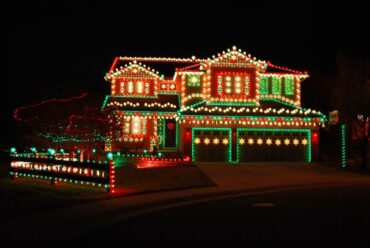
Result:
211,144
273,145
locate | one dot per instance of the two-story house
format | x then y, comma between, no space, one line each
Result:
229,108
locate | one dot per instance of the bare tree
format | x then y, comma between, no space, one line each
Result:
351,94
74,125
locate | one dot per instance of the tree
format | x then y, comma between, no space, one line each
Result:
351,91
74,124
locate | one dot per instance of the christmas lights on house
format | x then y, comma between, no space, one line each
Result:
225,93
230,107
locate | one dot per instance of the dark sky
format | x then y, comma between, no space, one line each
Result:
64,50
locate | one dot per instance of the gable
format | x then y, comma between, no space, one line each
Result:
234,59
133,71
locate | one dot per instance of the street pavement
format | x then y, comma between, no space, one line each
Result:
316,217
58,225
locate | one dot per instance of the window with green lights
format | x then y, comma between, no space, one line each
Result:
264,85
193,81
276,86
289,86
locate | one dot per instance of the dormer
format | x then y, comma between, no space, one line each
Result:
232,77
135,80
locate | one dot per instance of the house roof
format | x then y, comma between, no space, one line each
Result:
194,64
133,70
161,102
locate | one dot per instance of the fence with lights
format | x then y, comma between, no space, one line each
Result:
63,167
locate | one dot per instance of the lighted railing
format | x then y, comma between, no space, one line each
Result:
57,167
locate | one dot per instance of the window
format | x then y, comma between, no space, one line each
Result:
264,85
130,87
132,126
228,85
136,125
289,86
147,88
193,81
246,80
135,87
237,85
232,84
126,127
122,88
219,85
276,86
139,87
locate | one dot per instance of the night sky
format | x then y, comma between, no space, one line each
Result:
65,50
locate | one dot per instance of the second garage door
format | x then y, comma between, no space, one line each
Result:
273,145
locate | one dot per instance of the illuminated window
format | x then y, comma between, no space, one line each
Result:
193,81
122,88
237,84
132,126
228,84
136,125
289,86
126,127
264,85
246,80
130,87
219,85
276,86
135,87
234,85
147,88
139,87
